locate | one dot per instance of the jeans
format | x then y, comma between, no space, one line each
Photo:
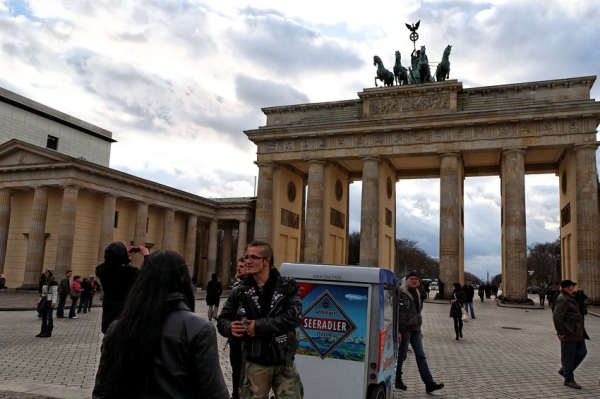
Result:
571,356
467,304
47,315
414,339
60,309
73,307
85,304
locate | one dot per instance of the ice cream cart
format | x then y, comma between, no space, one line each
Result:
348,333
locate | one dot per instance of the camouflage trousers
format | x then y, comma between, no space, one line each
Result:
259,380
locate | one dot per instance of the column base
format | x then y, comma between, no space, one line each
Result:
516,301
29,287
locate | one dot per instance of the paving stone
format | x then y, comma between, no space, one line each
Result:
506,353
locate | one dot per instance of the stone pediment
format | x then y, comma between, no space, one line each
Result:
15,152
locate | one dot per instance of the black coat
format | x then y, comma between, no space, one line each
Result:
186,364
214,289
456,307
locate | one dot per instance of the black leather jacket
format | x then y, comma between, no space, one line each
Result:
187,363
275,341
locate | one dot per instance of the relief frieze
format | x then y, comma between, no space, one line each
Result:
337,218
409,104
290,219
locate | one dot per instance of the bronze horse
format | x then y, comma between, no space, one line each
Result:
382,74
400,72
442,72
423,65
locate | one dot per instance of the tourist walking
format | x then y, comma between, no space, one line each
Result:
49,298
570,328
160,348
456,307
214,289
481,291
409,332
469,295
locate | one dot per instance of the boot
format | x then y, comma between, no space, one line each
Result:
456,331
460,331
400,385
43,330
432,386
48,332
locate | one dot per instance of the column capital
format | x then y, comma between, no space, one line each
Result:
262,164
456,154
316,160
370,158
590,146
517,150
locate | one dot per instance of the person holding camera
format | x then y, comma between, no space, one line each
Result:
117,277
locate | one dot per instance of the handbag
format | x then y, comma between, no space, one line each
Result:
465,316
41,304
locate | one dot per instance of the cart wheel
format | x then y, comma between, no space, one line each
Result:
377,393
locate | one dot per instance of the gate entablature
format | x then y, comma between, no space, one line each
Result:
438,130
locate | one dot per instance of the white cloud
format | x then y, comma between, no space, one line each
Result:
178,81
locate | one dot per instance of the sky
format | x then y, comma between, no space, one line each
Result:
177,83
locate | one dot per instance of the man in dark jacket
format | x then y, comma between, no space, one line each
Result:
470,294
63,292
570,329
264,310
409,332
117,276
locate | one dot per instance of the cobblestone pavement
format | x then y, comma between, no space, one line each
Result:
506,353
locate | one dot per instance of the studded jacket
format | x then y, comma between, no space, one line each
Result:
275,341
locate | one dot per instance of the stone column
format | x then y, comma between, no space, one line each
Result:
226,266
242,239
203,270
190,241
168,223
449,220
34,261
514,283
107,228
66,230
213,231
5,209
588,260
313,248
139,235
369,216
263,227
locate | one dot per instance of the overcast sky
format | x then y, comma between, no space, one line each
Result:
178,81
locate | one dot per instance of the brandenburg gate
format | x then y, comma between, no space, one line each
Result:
433,130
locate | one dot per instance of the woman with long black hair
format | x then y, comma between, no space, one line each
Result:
457,301
159,347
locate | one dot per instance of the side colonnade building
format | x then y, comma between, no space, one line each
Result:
61,205
434,130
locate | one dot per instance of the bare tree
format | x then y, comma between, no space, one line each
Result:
545,261
354,248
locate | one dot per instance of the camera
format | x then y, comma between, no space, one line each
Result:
134,249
